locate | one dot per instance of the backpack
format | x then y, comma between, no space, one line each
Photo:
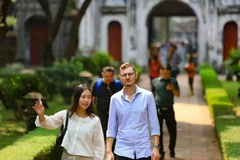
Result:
116,81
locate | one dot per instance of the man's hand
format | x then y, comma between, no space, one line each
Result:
155,154
170,87
110,156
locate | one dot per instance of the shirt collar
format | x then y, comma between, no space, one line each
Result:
161,79
138,91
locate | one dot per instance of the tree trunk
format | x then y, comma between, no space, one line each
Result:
238,77
47,54
74,34
3,13
53,29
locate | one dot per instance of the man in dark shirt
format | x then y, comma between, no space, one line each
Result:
166,87
102,92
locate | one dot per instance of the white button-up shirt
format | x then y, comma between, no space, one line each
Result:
84,136
132,123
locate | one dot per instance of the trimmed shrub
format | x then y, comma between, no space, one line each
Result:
219,102
15,86
225,119
37,143
209,77
63,73
13,68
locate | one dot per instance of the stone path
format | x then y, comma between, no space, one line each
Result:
196,139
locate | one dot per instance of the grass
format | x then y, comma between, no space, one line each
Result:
11,130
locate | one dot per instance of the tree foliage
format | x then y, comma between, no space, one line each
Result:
233,64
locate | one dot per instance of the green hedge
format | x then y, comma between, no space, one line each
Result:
209,77
226,122
228,130
37,143
218,101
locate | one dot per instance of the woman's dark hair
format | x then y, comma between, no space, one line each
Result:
75,100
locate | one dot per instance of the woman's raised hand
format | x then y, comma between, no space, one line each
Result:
38,107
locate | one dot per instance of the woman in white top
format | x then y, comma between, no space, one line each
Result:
84,137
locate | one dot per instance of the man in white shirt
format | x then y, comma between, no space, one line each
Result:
132,120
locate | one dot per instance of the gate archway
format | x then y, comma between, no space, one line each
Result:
166,10
174,21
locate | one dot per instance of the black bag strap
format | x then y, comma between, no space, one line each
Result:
66,123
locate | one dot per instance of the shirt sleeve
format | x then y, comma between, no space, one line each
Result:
176,85
52,122
112,121
98,141
153,118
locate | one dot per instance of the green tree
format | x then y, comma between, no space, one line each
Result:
233,64
54,25
53,28
74,34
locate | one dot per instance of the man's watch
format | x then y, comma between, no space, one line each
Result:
156,146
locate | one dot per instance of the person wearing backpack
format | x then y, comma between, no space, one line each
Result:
102,91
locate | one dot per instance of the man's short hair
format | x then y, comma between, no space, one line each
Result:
126,65
108,69
166,66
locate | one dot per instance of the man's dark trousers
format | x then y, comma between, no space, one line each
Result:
104,122
169,117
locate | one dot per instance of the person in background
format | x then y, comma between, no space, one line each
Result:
153,51
174,60
154,62
190,69
182,53
102,91
154,67
166,87
83,139
132,120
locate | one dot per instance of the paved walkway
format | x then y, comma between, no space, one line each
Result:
196,139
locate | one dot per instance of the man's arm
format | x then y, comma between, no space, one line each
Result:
109,152
155,140
155,151
110,131
176,92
